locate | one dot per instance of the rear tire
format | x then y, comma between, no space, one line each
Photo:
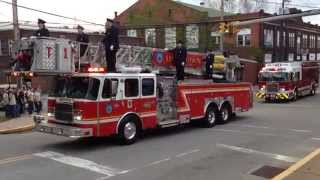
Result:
129,130
313,91
211,117
225,114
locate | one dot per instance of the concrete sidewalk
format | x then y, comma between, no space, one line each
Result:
306,169
17,125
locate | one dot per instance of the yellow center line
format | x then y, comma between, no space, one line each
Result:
16,158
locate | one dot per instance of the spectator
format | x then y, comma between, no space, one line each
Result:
12,104
5,102
30,98
21,101
37,101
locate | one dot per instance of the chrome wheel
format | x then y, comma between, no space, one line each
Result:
130,130
225,114
211,117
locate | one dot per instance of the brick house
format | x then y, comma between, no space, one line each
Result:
161,23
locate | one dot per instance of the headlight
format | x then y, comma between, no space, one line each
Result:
263,88
77,118
50,114
282,89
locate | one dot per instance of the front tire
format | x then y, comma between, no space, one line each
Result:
211,117
129,130
313,91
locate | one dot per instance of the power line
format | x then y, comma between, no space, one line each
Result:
52,14
289,4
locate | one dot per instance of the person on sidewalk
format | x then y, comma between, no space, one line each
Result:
37,101
179,59
21,101
12,104
111,44
5,102
30,98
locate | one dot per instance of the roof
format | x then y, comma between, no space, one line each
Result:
212,12
33,27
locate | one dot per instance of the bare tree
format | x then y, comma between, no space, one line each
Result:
235,6
229,5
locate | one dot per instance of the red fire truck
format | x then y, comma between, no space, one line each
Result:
93,103
124,104
288,80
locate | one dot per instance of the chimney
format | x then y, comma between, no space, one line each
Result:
115,14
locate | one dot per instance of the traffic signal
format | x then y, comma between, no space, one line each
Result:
222,27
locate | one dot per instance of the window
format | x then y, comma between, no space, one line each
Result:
268,38
298,45
291,40
278,38
312,41
215,38
0,49
77,87
169,12
284,43
131,87
170,37
4,47
318,42
150,35
110,88
304,41
192,36
147,87
244,38
132,33
296,76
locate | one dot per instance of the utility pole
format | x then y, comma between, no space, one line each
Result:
283,35
16,32
221,18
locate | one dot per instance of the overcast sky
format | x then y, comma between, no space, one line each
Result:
97,10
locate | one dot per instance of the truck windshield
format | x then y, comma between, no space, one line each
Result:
77,87
274,76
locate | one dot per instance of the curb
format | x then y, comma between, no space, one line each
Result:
18,130
294,168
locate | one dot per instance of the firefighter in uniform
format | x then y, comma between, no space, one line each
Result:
42,31
111,44
83,39
179,59
209,60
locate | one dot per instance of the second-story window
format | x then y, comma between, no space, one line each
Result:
268,38
244,38
150,37
132,33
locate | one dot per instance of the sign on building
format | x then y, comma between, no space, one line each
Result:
192,36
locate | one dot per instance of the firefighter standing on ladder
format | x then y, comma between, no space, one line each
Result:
83,39
42,31
111,44
179,59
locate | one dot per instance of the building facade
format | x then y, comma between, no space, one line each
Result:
161,23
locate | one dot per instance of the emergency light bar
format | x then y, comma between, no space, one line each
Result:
96,70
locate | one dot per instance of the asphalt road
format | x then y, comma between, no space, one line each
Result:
275,135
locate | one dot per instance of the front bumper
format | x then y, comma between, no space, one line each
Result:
285,95
61,130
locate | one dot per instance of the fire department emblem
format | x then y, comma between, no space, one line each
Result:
109,108
159,57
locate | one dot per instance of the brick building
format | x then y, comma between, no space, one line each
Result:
163,22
